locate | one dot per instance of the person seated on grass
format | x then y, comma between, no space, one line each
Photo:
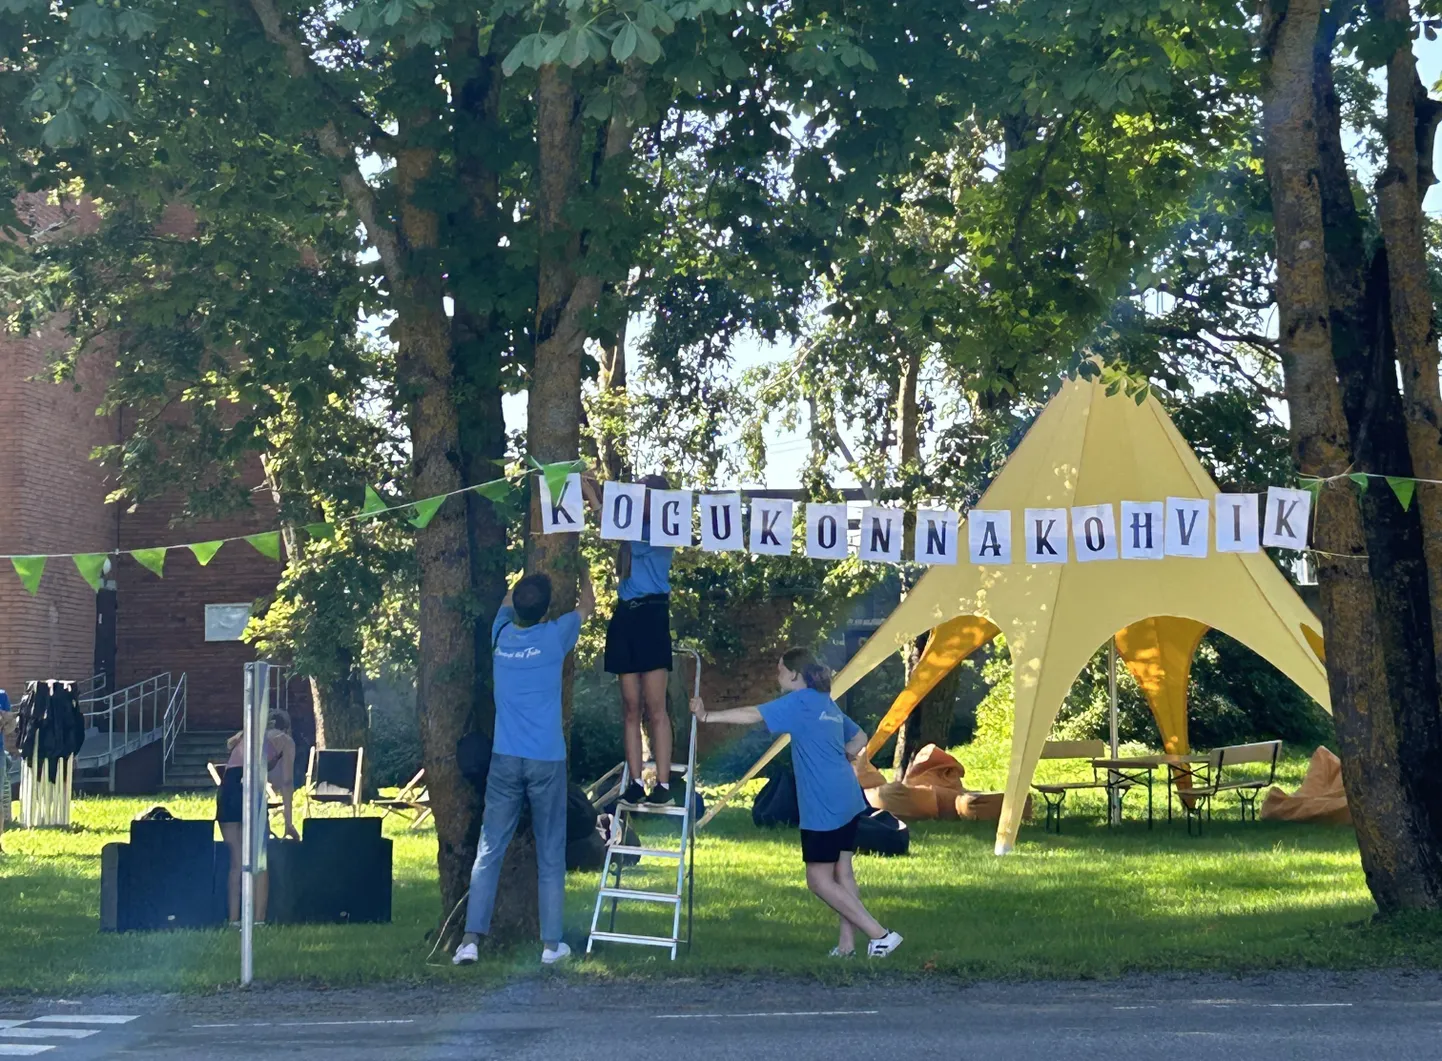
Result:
823,743
230,806
528,757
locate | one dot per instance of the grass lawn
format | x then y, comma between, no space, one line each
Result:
1094,902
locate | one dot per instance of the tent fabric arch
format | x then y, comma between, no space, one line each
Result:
1090,448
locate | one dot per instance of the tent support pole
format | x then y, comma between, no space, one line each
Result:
1115,798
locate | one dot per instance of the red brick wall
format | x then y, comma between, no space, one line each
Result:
161,621
52,499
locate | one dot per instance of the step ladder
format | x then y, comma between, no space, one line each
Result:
619,855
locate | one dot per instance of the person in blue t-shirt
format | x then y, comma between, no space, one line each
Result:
823,744
528,757
638,650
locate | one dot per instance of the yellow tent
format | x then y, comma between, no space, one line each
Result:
1086,448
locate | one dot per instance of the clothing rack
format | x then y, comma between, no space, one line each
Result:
45,803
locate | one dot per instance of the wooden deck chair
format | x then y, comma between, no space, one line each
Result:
412,801
334,776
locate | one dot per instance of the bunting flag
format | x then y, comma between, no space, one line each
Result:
1147,530
30,569
266,544
425,512
205,551
91,567
150,559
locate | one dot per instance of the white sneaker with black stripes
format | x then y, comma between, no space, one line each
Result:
880,948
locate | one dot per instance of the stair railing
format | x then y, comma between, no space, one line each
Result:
176,714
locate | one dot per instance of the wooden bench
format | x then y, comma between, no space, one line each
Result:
1055,794
1226,777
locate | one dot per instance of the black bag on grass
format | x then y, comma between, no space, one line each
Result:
776,803
879,832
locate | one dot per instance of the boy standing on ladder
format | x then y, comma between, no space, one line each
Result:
528,757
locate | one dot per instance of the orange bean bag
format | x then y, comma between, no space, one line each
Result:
1320,798
985,806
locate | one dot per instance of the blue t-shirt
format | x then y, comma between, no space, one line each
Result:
650,571
526,666
826,785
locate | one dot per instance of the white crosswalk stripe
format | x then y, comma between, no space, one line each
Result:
29,1037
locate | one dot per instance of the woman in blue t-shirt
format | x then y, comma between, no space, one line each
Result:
823,743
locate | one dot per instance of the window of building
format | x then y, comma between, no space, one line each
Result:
225,622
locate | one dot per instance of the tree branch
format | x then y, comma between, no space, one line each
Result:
362,196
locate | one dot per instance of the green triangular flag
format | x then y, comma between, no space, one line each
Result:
266,544
322,531
151,559
373,504
1404,489
1360,478
29,568
205,551
555,474
1313,486
426,511
91,567
496,490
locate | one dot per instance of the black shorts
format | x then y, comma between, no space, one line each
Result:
638,638
230,796
826,845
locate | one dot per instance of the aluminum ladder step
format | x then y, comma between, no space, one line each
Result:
645,941
644,852
670,810
640,896
611,890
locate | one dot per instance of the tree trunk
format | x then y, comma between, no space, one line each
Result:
341,719
1387,828
444,689
610,438
1399,211
910,738
476,352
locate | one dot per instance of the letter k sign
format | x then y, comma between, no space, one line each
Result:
1045,530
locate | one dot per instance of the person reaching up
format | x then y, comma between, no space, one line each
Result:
528,757
824,741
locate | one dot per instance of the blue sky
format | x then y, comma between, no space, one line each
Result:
787,450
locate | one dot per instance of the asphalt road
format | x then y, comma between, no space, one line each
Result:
1274,1018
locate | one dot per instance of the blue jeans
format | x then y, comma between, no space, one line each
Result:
543,785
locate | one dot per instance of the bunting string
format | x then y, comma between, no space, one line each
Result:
1046,533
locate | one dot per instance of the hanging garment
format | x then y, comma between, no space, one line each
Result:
52,727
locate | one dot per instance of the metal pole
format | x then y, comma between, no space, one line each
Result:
1116,800
253,824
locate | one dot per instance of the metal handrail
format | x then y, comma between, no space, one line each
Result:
138,700
85,691
176,714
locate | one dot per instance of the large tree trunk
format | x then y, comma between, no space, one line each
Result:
444,692
610,438
476,351
1297,159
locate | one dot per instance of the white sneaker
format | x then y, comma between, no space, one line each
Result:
551,957
466,954
880,948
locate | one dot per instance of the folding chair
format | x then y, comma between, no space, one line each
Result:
412,801
333,775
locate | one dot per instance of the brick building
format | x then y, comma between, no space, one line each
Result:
52,500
